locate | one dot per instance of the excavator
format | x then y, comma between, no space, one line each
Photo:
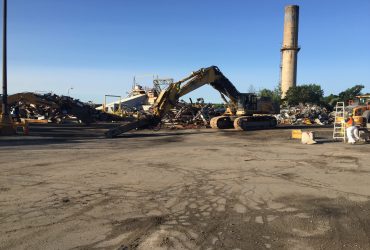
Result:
360,109
245,110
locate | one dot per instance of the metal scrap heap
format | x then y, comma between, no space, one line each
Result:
191,115
54,108
306,114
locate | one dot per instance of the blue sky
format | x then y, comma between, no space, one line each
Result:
98,46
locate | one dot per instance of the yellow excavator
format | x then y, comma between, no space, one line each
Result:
360,109
245,110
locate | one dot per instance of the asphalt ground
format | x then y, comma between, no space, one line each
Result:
68,187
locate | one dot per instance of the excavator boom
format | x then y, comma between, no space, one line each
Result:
213,76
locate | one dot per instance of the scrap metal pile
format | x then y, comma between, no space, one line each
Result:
305,114
198,115
59,109
191,115
55,108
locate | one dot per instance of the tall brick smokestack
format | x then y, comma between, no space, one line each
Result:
289,49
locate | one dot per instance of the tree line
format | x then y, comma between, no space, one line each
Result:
312,93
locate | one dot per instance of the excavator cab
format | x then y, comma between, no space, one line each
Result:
247,104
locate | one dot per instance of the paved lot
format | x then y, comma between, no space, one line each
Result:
66,187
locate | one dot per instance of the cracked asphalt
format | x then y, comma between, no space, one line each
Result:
67,187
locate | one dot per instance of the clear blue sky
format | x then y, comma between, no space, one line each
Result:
98,46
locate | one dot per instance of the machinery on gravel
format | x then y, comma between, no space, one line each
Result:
245,110
360,109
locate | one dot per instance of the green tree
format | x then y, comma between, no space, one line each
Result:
275,94
307,93
350,93
266,93
330,101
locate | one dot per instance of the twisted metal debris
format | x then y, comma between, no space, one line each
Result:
191,115
54,108
305,114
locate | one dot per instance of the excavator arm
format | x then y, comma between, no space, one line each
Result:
211,75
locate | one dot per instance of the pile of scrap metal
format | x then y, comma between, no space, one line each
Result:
305,115
191,115
53,108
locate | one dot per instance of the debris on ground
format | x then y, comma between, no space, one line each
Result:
307,114
55,109
191,115
185,115
198,115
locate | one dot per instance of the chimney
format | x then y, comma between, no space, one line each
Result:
289,49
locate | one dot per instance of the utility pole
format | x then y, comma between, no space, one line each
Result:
6,126
5,77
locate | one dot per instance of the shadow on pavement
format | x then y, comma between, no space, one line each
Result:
47,134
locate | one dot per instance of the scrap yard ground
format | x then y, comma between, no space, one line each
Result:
67,187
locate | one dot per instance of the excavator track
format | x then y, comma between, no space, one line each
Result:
243,122
221,122
254,122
